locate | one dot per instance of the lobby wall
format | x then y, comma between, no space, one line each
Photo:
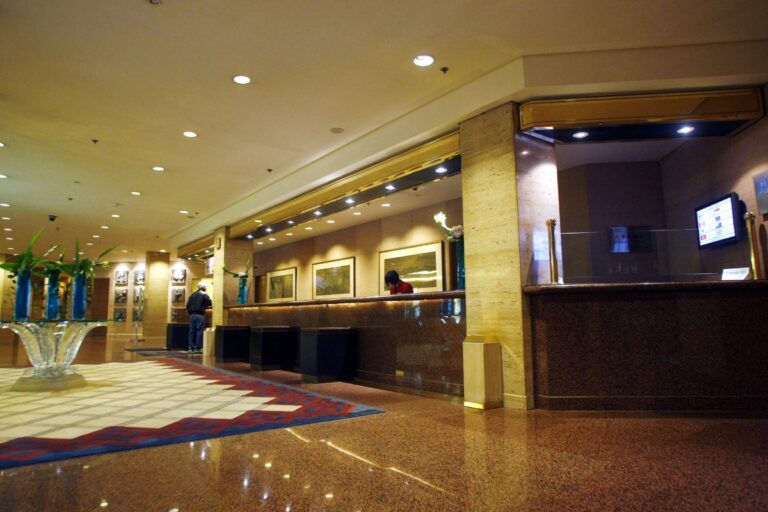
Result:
364,242
703,170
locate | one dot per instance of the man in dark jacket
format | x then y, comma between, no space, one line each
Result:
196,305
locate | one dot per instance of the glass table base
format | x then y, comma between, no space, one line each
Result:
32,383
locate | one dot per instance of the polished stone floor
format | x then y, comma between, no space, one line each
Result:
423,453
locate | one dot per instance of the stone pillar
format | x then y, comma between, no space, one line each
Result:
496,358
157,283
6,294
233,254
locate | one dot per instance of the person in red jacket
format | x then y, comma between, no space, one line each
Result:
392,279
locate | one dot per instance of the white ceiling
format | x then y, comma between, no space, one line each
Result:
133,76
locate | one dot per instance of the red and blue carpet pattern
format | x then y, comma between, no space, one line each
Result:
222,404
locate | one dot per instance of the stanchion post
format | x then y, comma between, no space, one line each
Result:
553,277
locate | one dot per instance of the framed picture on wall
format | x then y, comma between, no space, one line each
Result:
138,314
178,275
178,295
333,279
138,294
421,265
121,295
139,277
121,278
174,315
281,285
119,315
761,192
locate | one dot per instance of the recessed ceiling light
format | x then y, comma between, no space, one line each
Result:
329,221
356,213
580,135
268,230
11,248
6,218
258,221
289,234
104,227
685,130
291,222
88,243
124,250
183,212
158,168
390,187
544,128
96,236
190,135
2,145
81,253
349,200
115,215
318,212
7,229
241,79
162,250
249,236
135,193
9,238
441,170
386,205
423,60
272,239
259,243
524,152
3,176
5,205
308,228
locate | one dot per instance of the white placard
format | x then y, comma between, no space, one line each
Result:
735,274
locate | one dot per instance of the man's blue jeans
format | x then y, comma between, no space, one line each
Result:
196,328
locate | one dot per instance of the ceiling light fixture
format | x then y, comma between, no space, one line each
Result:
291,222
88,243
5,205
96,236
349,200
356,213
3,176
272,239
580,135
104,227
685,130
423,60
7,229
329,221
258,221
11,248
524,152
268,230
441,170
135,193
241,79
115,216
249,236
318,212
190,135
308,228
183,212
390,187
289,234
9,238
6,218
259,243
2,145
162,250
158,168
386,205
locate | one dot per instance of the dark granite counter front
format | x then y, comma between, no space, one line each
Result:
658,346
407,341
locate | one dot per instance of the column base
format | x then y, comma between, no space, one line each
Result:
482,373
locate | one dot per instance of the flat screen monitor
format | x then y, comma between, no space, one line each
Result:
719,221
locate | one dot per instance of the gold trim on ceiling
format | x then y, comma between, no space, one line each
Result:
195,247
720,105
375,175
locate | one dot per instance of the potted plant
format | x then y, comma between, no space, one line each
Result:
21,270
80,270
242,281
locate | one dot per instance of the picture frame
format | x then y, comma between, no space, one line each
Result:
121,278
121,295
174,315
139,277
119,315
761,192
281,285
138,314
138,294
178,275
178,295
420,265
333,279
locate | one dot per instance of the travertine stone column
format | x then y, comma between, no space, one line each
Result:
492,256
157,279
6,297
233,254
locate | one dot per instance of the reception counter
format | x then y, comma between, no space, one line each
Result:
652,346
409,341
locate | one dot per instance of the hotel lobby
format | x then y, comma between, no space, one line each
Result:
577,195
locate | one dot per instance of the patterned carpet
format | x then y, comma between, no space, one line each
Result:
149,403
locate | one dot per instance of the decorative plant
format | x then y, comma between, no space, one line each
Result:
453,233
85,266
242,284
27,261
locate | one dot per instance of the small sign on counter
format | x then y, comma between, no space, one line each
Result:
735,274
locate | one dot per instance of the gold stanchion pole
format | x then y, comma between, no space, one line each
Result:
553,277
753,256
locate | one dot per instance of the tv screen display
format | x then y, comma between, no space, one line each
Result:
719,222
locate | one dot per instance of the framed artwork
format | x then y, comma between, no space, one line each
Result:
178,275
119,315
121,295
281,285
333,279
178,295
174,315
421,265
138,294
761,192
138,314
121,278
139,277
209,266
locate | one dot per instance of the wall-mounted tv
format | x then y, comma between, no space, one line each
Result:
719,222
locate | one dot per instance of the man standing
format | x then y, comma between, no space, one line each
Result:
196,305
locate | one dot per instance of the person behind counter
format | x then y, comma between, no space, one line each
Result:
396,286
196,305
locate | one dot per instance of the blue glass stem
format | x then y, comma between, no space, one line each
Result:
460,263
52,303
242,290
23,296
80,297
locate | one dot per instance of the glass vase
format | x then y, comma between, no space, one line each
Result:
23,296
52,301
460,263
242,290
79,298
